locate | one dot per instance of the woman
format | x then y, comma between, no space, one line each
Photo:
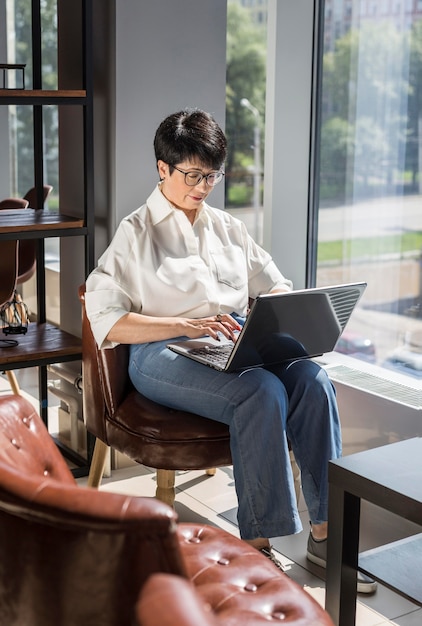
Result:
179,268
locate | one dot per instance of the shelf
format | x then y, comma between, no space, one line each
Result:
36,223
42,96
41,345
397,565
44,343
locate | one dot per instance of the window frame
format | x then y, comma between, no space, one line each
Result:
291,187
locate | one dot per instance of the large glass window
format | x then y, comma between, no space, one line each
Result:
245,111
19,50
17,128
370,202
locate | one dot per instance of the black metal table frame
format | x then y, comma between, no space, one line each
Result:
347,487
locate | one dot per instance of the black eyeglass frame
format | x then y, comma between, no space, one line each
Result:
200,176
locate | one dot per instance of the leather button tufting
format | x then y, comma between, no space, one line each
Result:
278,615
223,561
194,540
251,587
15,443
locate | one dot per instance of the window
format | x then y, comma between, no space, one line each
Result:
19,50
245,112
18,126
370,192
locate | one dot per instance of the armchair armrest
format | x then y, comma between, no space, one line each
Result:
105,378
170,600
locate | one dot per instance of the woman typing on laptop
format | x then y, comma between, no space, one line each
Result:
179,268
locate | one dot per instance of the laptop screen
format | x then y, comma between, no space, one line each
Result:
299,324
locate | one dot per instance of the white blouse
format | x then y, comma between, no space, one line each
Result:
159,264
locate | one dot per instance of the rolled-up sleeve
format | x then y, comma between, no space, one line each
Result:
104,307
263,274
110,286
268,279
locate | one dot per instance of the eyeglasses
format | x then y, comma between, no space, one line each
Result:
194,178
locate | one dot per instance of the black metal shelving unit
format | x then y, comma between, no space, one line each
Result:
46,344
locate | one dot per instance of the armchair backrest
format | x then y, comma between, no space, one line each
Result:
105,377
13,203
32,196
25,444
8,270
71,555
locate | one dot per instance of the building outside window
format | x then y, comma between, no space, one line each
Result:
370,182
370,200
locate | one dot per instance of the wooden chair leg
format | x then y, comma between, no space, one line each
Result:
165,486
13,382
97,464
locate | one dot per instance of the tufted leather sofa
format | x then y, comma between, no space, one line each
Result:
72,555
170,600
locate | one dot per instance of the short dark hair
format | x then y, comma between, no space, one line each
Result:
190,134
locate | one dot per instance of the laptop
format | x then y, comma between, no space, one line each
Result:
280,327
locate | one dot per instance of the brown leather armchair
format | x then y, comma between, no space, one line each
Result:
31,196
8,270
147,432
168,600
13,203
28,247
73,555
19,258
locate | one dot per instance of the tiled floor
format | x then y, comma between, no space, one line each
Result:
212,500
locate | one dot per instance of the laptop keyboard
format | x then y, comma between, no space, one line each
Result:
216,355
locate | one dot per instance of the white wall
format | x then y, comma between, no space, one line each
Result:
169,55
288,132
151,59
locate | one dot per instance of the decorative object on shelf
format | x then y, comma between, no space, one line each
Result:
17,67
14,316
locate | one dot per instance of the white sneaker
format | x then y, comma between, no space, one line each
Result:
317,553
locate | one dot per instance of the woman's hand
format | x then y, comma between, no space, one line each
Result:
137,328
223,323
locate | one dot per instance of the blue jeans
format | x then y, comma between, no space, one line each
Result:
264,408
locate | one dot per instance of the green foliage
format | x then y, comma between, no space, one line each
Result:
372,98
341,251
239,195
246,76
333,157
415,100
